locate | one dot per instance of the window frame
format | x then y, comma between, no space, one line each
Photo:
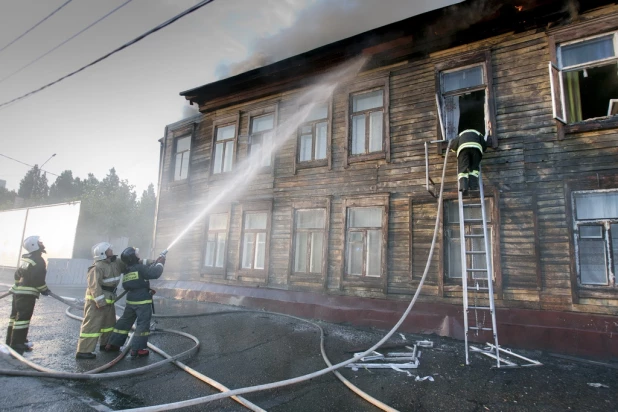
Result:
450,286
219,123
309,278
273,110
361,87
298,164
379,283
257,207
605,224
596,27
211,270
175,157
479,58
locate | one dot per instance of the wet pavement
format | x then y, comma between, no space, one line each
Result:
244,348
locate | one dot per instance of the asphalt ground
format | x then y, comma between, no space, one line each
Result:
245,348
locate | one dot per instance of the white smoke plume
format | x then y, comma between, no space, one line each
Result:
327,21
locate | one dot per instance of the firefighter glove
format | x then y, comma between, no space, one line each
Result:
46,292
161,260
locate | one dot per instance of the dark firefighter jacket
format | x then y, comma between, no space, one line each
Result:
30,277
135,281
469,139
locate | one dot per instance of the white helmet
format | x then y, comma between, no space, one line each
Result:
98,251
31,244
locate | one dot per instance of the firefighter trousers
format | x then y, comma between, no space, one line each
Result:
468,163
97,325
142,313
19,321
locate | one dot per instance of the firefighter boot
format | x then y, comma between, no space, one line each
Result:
463,185
474,182
140,353
85,355
110,348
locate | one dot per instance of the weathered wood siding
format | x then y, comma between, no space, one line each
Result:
527,176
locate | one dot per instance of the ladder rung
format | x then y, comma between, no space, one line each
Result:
475,252
477,236
477,289
477,328
471,205
479,307
476,270
473,220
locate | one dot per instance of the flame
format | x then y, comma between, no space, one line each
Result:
519,8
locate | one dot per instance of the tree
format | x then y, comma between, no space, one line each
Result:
33,187
7,198
143,223
65,188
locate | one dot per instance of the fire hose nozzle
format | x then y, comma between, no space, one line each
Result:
163,253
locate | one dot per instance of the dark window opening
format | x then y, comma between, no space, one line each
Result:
588,92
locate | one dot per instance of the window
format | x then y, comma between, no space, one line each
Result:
309,240
313,137
224,148
364,248
584,82
216,241
464,100
367,122
452,240
596,236
181,161
254,240
261,139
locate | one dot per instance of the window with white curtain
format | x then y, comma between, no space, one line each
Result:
464,100
596,236
584,83
254,247
364,241
225,137
216,241
309,238
261,139
367,122
313,136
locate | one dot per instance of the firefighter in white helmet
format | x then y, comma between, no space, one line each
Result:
29,283
99,311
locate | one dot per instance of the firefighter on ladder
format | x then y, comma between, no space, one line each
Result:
139,302
29,283
469,145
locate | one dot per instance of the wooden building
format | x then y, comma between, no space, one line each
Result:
337,225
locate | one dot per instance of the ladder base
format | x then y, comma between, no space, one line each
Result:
508,359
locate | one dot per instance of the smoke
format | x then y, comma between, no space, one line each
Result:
572,7
189,111
324,22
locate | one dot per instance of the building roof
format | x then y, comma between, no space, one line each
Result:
416,36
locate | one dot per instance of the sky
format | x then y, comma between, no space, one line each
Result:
112,114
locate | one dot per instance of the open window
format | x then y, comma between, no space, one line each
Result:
464,96
584,79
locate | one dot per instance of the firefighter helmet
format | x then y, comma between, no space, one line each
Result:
98,250
129,256
31,244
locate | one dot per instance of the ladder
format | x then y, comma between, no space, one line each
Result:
475,246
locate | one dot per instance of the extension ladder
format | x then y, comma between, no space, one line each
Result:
477,269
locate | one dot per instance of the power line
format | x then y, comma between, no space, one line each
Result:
36,25
65,42
124,46
26,164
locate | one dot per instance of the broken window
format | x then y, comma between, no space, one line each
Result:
309,238
596,234
181,160
216,241
313,136
254,240
367,123
261,139
584,83
464,100
364,239
452,240
225,138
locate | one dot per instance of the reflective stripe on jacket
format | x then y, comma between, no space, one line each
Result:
103,273
30,276
136,282
469,139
